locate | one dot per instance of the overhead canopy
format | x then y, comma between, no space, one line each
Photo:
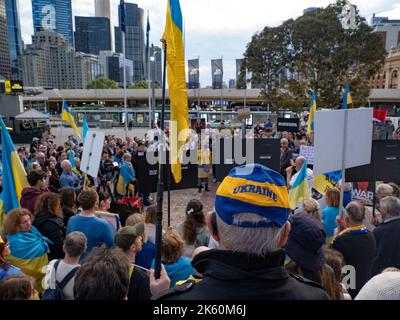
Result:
32,114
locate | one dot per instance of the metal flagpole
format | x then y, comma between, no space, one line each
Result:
198,89
62,123
160,185
343,162
125,98
222,86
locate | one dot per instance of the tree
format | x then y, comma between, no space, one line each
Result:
142,84
319,54
102,83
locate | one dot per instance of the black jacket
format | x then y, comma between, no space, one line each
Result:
359,251
53,228
387,237
234,276
67,213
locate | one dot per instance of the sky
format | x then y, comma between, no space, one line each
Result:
217,28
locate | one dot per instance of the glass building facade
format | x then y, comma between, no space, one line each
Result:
134,39
55,15
14,37
4,50
92,34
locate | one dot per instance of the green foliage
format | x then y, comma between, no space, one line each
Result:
142,84
102,83
320,54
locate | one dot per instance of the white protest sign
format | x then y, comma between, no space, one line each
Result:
92,152
308,153
328,139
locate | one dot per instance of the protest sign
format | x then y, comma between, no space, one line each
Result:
92,150
308,153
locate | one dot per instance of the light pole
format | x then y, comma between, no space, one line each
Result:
153,90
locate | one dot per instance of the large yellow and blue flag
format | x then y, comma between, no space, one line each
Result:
67,116
347,99
299,190
313,109
324,181
175,58
14,175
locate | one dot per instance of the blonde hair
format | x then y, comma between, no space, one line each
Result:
332,197
312,207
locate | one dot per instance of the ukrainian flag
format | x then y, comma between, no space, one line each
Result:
85,128
14,175
347,99
299,190
173,35
29,253
126,176
326,180
71,159
313,109
67,116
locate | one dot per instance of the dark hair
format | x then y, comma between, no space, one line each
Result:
49,203
151,214
87,199
103,195
68,198
17,287
103,276
34,177
3,261
194,219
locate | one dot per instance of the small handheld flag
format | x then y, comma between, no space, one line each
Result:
347,99
299,190
85,128
313,109
67,116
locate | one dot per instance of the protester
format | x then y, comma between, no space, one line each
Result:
146,255
97,231
312,207
18,287
69,178
331,212
194,230
49,221
150,220
28,247
286,156
6,268
357,244
74,246
387,236
129,240
103,276
30,195
68,203
384,286
336,261
251,229
103,213
297,165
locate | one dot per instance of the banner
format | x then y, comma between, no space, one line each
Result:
289,125
363,191
194,74
217,73
308,153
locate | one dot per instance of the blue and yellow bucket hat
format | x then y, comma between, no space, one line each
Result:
256,189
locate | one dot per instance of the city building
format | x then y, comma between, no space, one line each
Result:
51,62
156,53
134,39
5,66
113,64
55,15
14,37
103,9
389,77
92,34
232,84
388,29
311,9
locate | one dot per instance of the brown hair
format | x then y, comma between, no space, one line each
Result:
171,246
332,197
134,219
194,219
68,198
17,287
312,207
87,199
3,261
332,287
49,203
13,219
151,215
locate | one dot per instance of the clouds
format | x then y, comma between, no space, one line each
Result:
215,28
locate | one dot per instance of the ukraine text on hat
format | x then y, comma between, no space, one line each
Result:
249,188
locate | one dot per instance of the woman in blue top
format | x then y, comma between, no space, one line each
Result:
178,268
330,213
6,268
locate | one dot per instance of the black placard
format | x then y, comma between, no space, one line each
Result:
266,152
385,162
288,124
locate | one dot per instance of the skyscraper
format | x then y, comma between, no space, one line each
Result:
14,36
4,49
103,9
134,39
92,34
156,53
55,15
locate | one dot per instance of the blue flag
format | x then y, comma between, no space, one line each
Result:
122,15
71,159
347,99
85,128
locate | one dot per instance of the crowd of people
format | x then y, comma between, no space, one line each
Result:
71,235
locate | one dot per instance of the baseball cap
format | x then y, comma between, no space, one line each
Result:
305,242
125,234
255,189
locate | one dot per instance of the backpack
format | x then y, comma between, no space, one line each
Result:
57,293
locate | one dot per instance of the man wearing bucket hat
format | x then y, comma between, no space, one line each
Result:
250,223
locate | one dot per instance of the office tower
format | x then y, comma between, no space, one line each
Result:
4,48
92,34
14,37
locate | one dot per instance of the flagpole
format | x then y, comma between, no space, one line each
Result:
160,185
343,163
148,70
125,97
62,123
198,89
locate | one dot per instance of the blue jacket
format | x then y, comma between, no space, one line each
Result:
10,272
180,270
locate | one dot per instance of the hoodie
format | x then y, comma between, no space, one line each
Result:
178,271
29,197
